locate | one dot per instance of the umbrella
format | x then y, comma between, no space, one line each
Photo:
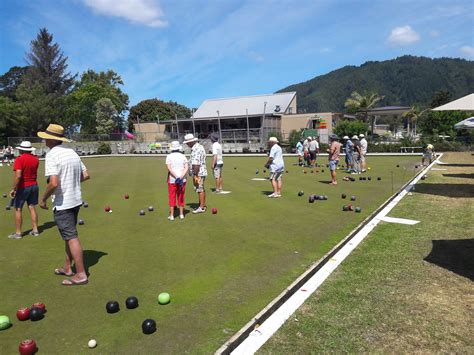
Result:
465,103
468,123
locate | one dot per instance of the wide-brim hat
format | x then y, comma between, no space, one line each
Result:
273,139
346,137
361,135
26,146
188,138
355,137
54,132
175,146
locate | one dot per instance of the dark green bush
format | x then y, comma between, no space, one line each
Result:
104,148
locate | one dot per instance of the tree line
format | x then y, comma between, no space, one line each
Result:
44,91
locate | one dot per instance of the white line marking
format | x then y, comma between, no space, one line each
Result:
435,169
252,343
399,220
259,179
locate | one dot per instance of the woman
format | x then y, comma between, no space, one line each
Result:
177,165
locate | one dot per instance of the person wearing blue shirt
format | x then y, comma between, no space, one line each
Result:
349,150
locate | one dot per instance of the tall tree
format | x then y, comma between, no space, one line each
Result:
93,86
361,104
105,116
440,98
10,81
413,117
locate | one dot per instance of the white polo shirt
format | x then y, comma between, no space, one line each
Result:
217,150
67,166
277,164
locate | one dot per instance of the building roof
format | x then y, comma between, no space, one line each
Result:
388,110
238,106
465,103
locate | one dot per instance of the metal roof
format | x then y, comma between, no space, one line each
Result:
465,103
238,106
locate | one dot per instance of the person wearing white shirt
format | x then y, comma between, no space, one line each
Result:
217,161
65,172
363,144
276,165
177,165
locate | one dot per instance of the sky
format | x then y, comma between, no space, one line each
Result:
191,50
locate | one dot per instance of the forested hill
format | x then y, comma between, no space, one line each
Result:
403,81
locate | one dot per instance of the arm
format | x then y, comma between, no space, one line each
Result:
16,181
269,162
185,170
52,185
214,161
170,171
85,176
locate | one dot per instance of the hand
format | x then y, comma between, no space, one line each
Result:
12,193
196,180
43,205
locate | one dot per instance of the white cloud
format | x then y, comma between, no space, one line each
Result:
467,51
434,33
145,12
403,35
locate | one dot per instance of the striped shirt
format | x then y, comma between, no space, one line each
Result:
67,166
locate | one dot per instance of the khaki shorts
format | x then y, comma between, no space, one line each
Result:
277,175
217,171
198,182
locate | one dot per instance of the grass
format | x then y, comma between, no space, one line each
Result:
219,269
406,288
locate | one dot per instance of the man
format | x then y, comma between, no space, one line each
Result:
363,145
333,158
276,165
306,150
25,188
300,152
217,161
428,154
348,149
313,151
198,170
65,172
357,152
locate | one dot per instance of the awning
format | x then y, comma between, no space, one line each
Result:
465,103
468,123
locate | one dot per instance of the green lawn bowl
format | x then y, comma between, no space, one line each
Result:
164,298
4,322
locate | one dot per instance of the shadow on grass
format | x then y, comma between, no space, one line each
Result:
192,206
462,176
460,165
448,190
454,255
91,257
46,226
266,193
327,182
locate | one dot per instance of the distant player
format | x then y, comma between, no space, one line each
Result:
333,158
428,154
198,170
300,151
217,161
313,151
363,145
306,150
348,149
177,165
357,152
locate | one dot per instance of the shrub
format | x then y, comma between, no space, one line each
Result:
104,148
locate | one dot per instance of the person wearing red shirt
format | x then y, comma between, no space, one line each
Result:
25,188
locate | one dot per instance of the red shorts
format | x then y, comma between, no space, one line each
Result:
176,191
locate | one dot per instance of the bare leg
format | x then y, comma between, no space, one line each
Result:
333,177
202,199
220,182
171,210
75,249
275,187
18,220
181,210
34,218
68,260
279,184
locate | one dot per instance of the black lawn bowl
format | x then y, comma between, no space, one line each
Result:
345,208
358,209
379,178
316,197
360,178
85,204
142,213
148,326
300,193
112,307
369,178
131,302
4,195
326,197
264,171
81,222
311,199
398,166
36,314
416,166
352,178
364,178
423,177
353,198
8,207
323,170
321,197
151,208
343,196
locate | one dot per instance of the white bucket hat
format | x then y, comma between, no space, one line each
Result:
361,135
175,146
273,139
188,138
355,137
346,137
26,146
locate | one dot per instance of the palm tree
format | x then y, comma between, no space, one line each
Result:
361,104
413,117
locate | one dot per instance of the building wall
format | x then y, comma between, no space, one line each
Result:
149,131
300,121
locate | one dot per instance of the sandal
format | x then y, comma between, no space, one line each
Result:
72,282
61,272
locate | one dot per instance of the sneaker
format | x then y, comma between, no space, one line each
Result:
171,218
218,191
273,195
34,234
199,210
277,196
181,216
15,236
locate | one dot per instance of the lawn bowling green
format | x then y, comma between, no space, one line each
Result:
220,270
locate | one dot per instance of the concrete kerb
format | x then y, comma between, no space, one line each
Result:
368,224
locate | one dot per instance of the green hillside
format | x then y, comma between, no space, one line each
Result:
403,81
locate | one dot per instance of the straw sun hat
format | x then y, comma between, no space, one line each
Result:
54,132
